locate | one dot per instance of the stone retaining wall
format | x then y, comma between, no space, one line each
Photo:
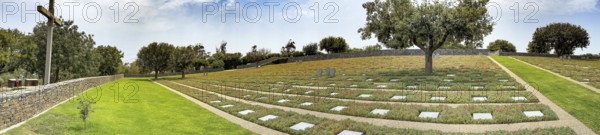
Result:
390,53
20,105
546,55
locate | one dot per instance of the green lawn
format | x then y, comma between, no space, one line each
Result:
580,102
156,111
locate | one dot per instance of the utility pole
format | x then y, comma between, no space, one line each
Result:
51,21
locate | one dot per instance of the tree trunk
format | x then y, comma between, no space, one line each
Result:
428,62
155,74
57,75
183,74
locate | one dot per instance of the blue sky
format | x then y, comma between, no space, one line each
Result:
185,22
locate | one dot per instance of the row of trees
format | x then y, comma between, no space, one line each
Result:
74,54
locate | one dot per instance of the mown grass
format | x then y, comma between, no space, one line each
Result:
328,126
581,70
575,99
143,108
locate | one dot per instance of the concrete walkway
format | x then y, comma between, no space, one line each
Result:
246,124
563,115
462,128
564,77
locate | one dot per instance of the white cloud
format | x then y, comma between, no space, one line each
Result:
547,7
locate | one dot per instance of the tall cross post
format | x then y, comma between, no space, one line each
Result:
51,21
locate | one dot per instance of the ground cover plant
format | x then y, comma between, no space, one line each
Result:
587,71
459,115
157,111
384,95
579,101
322,125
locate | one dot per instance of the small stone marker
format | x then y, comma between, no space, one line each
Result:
339,108
451,75
380,111
306,104
533,113
482,116
411,87
245,112
364,95
288,90
398,97
279,82
216,101
308,92
283,101
353,86
226,106
302,126
479,98
349,79
369,80
438,98
394,80
477,87
268,117
444,87
503,80
519,98
429,114
509,87
348,132
587,80
382,86
247,95
333,84
333,94
261,98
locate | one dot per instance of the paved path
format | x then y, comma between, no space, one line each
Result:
246,124
454,105
564,77
463,128
563,115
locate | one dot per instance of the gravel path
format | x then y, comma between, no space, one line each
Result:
564,77
246,124
563,115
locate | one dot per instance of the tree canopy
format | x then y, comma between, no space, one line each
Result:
502,45
428,25
333,44
156,57
563,38
110,59
311,49
183,58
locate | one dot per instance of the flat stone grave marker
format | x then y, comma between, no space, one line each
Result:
533,113
477,87
503,80
310,84
364,95
261,98
380,111
382,86
245,112
398,97
444,87
333,84
279,82
451,75
479,98
411,87
518,98
288,90
353,85
438,98
394,80
306,104
448,80
339,108
268,117
349,79
216,101
587,80
313,78
247,95
348,132
482,116
302,126
369,80
226,106
333,94
283,101
308,92
273,88
509,87
429,114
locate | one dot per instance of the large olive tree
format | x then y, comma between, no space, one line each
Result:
428,25
155,56
563,38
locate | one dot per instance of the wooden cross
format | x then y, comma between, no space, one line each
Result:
51,21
